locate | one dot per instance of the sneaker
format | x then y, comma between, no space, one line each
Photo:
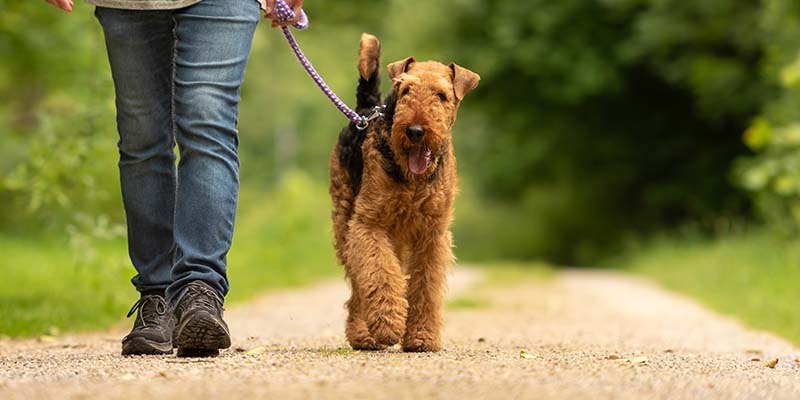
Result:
201,332
152,329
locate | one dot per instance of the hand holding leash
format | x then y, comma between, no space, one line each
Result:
284,15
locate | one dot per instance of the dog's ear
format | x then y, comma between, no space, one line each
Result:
464,80
398,67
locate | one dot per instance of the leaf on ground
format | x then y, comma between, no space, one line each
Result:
46,339
525,355
612,357
638,360
771,363
256,351
753,351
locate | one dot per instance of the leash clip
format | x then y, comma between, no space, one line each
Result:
377,112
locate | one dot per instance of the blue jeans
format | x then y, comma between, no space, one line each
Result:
177,75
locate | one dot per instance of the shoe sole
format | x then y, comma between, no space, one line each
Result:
202,335
138,346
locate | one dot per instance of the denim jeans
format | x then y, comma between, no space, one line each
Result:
177,75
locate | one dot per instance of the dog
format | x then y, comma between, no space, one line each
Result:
393,185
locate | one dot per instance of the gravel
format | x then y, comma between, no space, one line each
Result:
583,334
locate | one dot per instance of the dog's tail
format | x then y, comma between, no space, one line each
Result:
369,91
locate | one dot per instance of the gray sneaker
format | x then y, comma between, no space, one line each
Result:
152,329
200,332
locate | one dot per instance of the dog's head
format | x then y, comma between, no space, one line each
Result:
427,96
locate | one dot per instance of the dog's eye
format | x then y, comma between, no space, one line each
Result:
405,91
442,96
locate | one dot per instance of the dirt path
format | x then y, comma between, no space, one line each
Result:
597,335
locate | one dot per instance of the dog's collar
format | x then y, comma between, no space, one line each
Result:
389,164
375,114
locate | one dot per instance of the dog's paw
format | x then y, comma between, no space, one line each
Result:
366,343
386,321
386,333
358,336
421,341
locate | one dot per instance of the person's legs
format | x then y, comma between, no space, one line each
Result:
140,51
213,41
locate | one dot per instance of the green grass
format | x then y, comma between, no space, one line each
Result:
282,239
45,289
754,277
339,351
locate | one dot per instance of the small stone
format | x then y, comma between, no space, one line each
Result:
771,363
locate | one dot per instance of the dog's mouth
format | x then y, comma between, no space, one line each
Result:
419,157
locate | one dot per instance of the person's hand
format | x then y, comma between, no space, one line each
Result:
65,5
296,6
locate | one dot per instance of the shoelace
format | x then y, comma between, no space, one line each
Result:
195,298
146,313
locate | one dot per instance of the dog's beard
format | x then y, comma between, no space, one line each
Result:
419,157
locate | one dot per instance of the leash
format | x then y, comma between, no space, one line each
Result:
284,13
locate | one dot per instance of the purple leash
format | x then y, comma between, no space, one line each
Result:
284,13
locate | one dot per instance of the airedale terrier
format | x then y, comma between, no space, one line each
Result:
393,187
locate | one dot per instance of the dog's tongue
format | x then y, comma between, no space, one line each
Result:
418,159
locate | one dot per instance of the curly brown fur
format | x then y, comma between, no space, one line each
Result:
392,188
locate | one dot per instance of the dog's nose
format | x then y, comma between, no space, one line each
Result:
415,133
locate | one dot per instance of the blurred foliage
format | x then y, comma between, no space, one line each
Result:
595,121
773,175
56,114
607,119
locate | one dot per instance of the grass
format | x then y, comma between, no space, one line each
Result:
339,351
46,290
282,239
754,277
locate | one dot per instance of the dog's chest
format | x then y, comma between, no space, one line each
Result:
415,209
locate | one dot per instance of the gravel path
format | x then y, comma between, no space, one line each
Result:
586,334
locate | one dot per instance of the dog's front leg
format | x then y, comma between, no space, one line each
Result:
379,283
427,269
